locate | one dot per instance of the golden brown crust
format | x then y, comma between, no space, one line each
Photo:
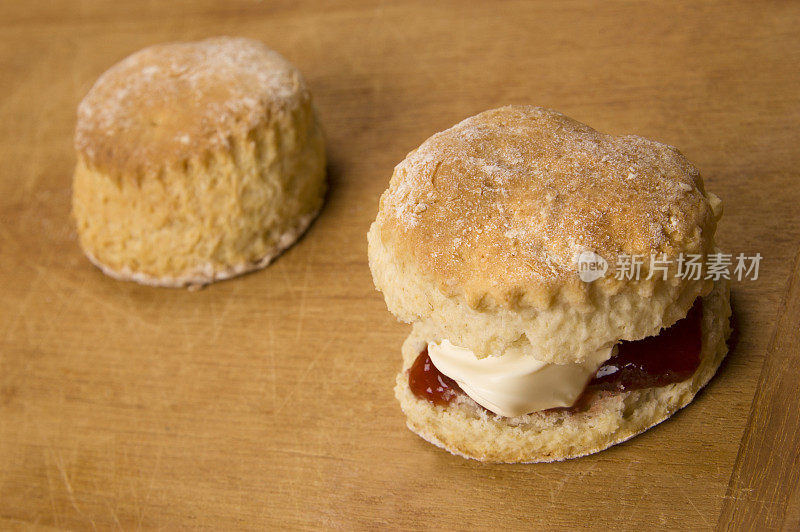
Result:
465,429
171,103
497,208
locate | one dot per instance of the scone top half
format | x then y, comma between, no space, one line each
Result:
478,236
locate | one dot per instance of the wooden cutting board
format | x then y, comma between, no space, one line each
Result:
267,401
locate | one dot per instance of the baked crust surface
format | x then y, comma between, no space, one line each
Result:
175,102
500,205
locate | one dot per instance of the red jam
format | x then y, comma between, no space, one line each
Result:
672,356
428,383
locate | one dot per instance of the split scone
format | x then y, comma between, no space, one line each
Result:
196,161
554,278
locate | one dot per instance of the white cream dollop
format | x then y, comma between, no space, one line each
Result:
514,384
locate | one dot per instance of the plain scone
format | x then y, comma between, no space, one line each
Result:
476,240
196,162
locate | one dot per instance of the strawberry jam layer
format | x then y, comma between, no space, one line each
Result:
671,356
429,383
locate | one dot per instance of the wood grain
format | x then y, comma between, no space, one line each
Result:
766,476
266,402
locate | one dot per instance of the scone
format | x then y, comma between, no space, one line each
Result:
511,243
196,161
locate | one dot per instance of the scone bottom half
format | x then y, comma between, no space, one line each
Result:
196,162
612,408
514,356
